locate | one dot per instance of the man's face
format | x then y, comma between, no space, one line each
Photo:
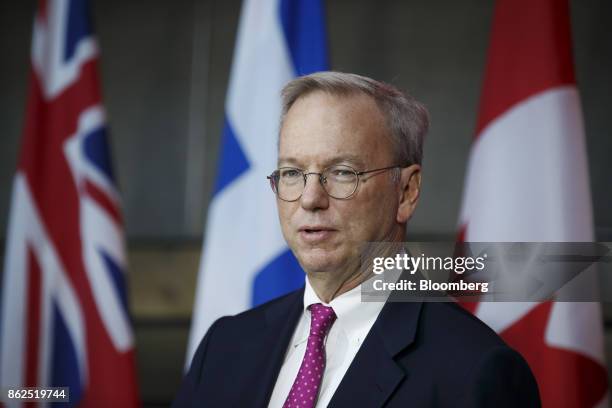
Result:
321,130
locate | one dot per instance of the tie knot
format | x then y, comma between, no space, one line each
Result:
321,320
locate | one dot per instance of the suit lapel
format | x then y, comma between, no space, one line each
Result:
374,374
279,323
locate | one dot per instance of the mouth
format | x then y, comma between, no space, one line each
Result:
316,233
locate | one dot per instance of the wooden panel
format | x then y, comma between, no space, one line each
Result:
162,280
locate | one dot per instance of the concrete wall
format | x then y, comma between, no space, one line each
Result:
165,67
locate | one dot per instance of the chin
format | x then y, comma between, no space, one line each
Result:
317,260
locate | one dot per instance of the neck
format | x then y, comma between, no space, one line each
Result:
327,292
328,289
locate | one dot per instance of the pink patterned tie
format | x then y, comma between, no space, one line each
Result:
305,389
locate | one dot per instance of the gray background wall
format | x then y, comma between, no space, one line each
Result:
165,66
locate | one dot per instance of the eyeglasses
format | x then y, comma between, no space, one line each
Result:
339,181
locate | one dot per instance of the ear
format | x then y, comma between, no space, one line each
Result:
410,190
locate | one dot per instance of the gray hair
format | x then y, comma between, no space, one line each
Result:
407,119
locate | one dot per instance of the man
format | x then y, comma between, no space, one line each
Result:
349,172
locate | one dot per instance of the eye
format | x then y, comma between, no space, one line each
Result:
290,173
341,172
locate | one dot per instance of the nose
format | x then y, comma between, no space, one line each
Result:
314,196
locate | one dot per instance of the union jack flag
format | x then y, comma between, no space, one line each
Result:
64,314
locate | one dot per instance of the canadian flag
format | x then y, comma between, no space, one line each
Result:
527,180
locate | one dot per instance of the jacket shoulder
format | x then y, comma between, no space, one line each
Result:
451,323
470,362
274,306
234,346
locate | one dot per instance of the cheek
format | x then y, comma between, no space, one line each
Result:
355,222
286,213
371,221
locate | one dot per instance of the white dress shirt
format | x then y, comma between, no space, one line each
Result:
354,321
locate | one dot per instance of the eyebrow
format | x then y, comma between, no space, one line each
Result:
344,158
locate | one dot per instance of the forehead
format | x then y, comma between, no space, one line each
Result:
321,129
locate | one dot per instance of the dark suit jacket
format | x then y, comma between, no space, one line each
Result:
415,355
